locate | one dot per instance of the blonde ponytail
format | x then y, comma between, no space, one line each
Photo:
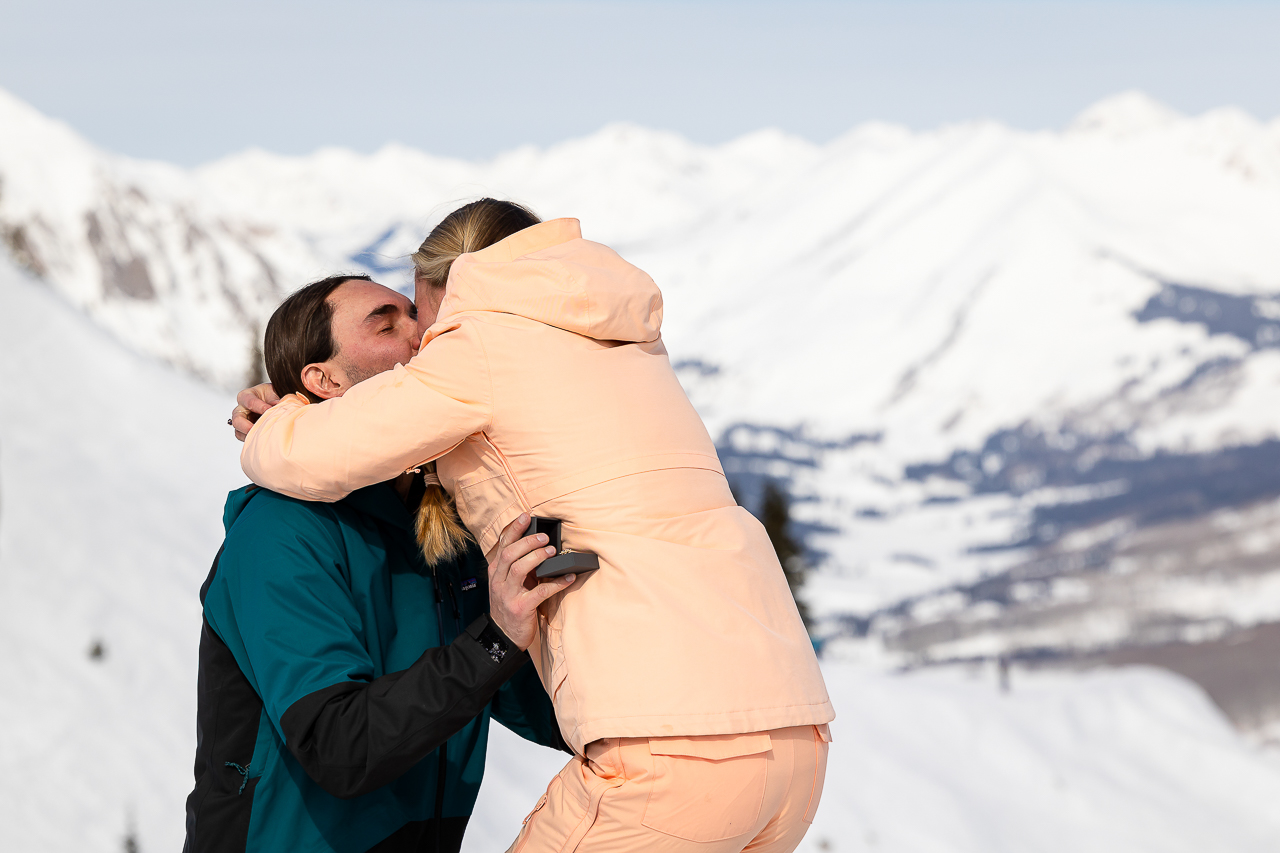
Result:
440,533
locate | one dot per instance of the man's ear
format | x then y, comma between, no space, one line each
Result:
320,380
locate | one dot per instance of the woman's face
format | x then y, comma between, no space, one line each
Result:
427,299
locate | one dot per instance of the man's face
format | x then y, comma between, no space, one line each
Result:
374,329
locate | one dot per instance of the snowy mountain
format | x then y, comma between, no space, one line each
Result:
997,371
137,247
187,265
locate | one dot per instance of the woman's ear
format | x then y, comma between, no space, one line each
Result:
319,379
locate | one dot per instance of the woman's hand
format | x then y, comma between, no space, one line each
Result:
250,404
514,591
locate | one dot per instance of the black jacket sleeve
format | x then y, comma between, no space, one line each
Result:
354,737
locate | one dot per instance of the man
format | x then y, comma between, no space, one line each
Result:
345,686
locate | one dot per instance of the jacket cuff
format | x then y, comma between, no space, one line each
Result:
495,645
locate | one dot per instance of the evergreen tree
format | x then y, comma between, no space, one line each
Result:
256,373
775,515
130,834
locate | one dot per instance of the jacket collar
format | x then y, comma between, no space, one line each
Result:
381,502
550,275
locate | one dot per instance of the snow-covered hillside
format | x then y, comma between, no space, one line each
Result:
1116,762
112,471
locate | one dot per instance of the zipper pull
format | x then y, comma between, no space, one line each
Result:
453,597
435,585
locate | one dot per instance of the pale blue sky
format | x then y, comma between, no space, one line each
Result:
192,81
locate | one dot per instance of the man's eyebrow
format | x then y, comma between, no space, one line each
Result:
382,311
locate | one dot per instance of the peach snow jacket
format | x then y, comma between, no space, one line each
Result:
544,387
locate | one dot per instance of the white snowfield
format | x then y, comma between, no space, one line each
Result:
112,475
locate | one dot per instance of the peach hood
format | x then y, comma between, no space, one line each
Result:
565,287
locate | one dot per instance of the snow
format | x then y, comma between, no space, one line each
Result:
113,470
1124,115
1121,761
1111,761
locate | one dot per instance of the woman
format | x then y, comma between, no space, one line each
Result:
680,671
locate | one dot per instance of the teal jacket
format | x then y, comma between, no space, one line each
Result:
345,686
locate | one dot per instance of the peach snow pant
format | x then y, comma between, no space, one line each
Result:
712,793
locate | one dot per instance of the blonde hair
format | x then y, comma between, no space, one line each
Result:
440,532
470,228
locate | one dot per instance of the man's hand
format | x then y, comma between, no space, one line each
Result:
514,591
250,404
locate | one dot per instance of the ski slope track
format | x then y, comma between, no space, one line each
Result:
1022,388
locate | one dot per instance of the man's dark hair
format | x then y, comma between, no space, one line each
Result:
300,332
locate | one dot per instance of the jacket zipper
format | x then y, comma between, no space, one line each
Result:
453,598
442,765
506,469
439,599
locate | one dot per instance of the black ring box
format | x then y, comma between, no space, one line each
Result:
564,562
